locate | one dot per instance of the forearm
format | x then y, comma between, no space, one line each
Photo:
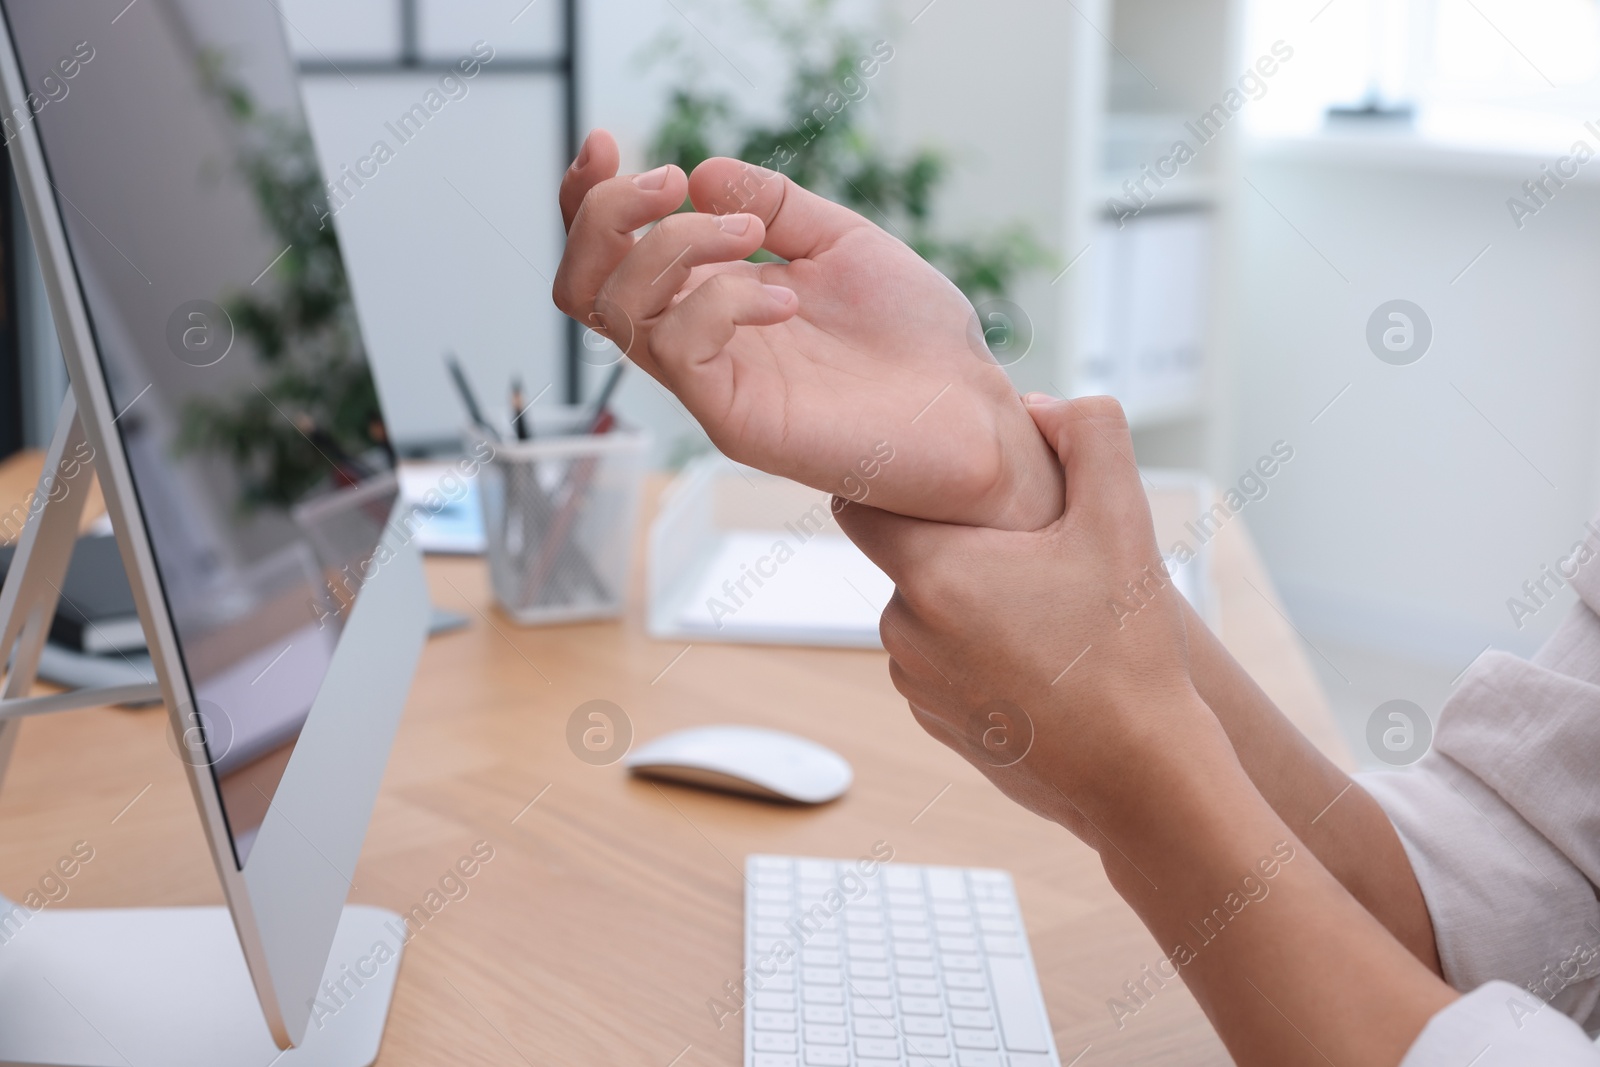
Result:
1287,965
1346,829
1335,817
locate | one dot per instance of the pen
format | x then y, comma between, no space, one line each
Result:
520,423
600,418
468,400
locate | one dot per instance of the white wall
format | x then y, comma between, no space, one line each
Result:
1407,518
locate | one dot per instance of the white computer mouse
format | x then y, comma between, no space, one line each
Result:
748,760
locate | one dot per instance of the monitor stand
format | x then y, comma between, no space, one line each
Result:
82,987
119,987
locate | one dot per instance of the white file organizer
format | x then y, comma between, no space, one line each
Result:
740,556
717,534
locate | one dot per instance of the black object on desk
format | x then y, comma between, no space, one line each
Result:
96,613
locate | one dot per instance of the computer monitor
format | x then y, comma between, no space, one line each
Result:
195,276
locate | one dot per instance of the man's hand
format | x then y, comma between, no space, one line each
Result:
814,368
1008,650
1007,646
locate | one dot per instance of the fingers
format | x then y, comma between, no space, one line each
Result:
597,160
697,329
1092,440
799,223
601,235
651,275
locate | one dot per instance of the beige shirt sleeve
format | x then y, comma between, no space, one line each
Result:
1501,820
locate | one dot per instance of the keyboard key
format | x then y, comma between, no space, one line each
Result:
875,1048
929,1026
782,1021
773,1002
821,975
776,1061
824,1056
816,869
996,909
978,1059
820,958
866,951
976,1020
901,931
826,1035
955,962
909,916
858,934
868,969
1002,946
872,1008
948,909
914,968
1031,1059
1016,1003
871,987
958,944
966,998
946,883
874,1028
954,927
923,1006
825,1014
989,924
918,987
782,982
975,1038
767,1042
928,1046
903,878
964,980
821,994
913,950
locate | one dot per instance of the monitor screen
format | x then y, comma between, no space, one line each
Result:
196,216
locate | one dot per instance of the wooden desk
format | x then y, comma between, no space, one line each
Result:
612,910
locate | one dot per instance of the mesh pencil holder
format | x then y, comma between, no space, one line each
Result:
558,515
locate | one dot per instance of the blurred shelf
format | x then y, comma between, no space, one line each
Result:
1467,143
1149,416
1186,192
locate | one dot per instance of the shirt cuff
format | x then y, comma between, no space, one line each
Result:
1499,1025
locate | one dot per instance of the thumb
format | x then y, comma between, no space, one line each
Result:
1090,436
800,224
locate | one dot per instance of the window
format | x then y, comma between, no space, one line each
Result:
450,228
1453,61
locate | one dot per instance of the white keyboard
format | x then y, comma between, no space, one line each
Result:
922,966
